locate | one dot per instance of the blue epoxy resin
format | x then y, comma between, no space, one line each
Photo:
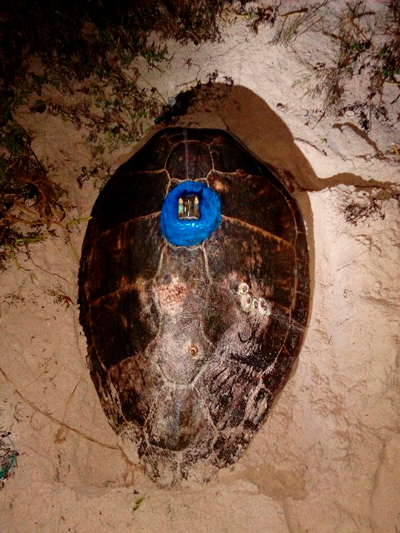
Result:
190,213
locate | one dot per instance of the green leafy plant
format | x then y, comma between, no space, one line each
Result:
365,42
82,52
366,46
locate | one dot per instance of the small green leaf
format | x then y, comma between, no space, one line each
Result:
137,503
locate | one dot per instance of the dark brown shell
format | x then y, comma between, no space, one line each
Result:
188,346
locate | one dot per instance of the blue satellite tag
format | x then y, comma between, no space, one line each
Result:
190,213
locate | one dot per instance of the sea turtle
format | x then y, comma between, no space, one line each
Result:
194,296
